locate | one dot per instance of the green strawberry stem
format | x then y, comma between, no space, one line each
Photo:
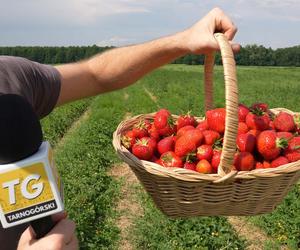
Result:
281,143
191,157
218,144
257,111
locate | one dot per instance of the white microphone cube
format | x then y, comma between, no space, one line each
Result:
30,189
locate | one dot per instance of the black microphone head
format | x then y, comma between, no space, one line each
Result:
20,129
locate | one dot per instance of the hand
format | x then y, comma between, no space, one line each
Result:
61,237
199,38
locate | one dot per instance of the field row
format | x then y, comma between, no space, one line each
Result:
87,154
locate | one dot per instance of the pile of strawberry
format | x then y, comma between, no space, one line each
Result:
263,141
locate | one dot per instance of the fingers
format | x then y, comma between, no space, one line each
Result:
224,24
64,230
72,245
27,237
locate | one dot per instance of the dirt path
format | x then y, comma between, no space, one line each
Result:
73,127
255,237
151,95
128,206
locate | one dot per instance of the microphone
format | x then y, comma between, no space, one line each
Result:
30,187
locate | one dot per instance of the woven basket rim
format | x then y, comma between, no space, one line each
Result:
189,175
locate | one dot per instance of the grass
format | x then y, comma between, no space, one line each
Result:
279,87
87,154
155,231
59,121
90,194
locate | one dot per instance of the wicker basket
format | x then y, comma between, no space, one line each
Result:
182,193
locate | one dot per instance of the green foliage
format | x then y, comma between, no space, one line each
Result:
90,193
87,154
59,121
254,55
53,55
155,231
284,223
180,88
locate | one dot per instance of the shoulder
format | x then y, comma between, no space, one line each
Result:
37,83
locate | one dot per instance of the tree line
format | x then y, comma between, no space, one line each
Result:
53,55
252,55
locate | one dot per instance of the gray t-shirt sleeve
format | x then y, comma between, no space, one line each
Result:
39,84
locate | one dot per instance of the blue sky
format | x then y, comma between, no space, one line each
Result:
272,23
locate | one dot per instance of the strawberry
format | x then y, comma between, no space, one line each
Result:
287,135
284,122
259,165
210,137
262,165
281,160
243,112
159,162
184,146
189,165
151,142
297,122
244,161
166,144
163,112
216,119
292,152
185,120
293,156
142,149
140,129
204,152
153,133
147,124
258,120
203,125
242,128
128,139
269,145
266,164
164,123
182,130
170,159
260,106
204,167
271,125
246,142
194,135
254,132
215,161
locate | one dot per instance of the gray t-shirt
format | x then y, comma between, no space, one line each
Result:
40,85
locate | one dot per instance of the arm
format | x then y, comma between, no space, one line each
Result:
121,67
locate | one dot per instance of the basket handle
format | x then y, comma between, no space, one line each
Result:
231,102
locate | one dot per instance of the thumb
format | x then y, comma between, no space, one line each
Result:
27,237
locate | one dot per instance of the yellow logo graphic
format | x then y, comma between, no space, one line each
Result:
24,187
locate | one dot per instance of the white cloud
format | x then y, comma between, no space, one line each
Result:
123,22
116,41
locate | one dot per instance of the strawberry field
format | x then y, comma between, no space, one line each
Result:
86,160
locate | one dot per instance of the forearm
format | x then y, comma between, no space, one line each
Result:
117,68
